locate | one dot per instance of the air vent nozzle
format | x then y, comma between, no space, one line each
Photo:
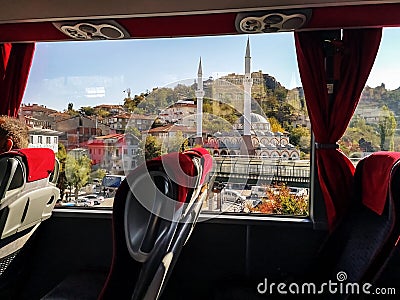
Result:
272,21
92,30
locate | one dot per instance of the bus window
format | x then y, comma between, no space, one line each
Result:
375,123
111,113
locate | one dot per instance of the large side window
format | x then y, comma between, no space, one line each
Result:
242,100
375,124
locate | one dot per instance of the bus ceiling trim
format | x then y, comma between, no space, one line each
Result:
93,30
272,21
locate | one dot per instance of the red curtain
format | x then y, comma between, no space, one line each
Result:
329,119
15,63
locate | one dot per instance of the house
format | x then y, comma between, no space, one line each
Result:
43,138
116,153
77,130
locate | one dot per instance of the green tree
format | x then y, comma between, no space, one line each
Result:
131,103
102,113
71,111
358,130
149,148
87,110
301,137
176,143
386,127
61,182
98,174
133,131
77,171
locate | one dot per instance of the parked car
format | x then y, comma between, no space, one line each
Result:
298,191
232,196
94,197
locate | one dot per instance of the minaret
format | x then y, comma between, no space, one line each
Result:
248,148
199,96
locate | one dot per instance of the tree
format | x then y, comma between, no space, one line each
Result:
149,148
279,200
77,172
71,110
133,131
131,103
177,143
275,125
98,174
102,113
61,182
357,131
301,137
386,127
87,110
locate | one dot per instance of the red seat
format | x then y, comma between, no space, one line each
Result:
154,211
363,241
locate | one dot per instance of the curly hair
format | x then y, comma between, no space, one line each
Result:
14,129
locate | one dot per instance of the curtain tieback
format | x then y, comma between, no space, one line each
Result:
326,146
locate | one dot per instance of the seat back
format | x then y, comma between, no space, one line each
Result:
154,212
361,242
27,197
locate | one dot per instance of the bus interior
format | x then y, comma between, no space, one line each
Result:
283,191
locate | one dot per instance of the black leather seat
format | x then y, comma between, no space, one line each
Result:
154,211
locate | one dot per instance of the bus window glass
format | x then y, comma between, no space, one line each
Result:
375,123
112,104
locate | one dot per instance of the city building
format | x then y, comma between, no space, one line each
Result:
77,130
182,112
167,133
116,153
36,115
43,138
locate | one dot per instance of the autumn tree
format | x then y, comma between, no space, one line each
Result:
132,103
275,125
98,174
279,200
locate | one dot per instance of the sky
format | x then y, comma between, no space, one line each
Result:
98,72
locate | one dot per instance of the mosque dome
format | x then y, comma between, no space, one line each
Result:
258,122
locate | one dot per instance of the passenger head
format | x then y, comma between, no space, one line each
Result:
13,134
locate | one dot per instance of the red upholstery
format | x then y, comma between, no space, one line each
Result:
376,179
40,162
125,270
180,168
351,16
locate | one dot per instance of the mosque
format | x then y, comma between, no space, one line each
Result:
251,134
